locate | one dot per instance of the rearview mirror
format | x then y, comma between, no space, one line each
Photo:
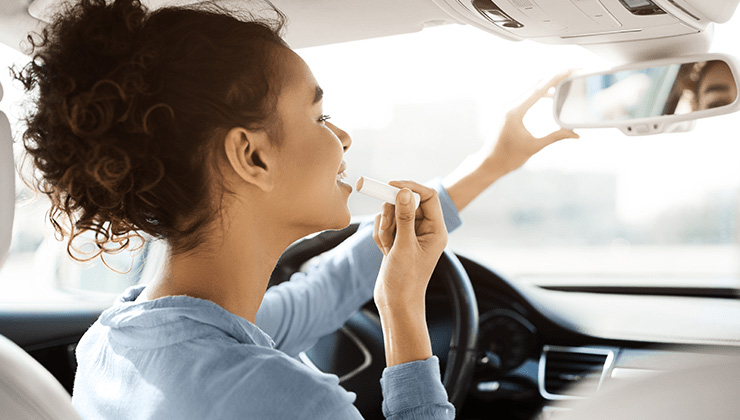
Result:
650,97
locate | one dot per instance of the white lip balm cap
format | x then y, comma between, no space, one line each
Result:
381,191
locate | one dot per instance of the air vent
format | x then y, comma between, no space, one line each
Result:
561,368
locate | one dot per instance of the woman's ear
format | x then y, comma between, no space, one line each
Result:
249,154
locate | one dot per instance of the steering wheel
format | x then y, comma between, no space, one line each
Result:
364,326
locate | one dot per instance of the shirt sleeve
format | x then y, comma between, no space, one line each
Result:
283,388
297,313
414,391
411,391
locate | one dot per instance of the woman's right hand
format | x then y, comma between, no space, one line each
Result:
412,241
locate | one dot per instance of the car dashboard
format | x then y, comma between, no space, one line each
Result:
540,347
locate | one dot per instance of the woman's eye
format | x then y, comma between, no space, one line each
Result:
323,118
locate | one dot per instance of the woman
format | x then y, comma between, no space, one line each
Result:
207,131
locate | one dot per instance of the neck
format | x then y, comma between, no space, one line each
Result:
231,269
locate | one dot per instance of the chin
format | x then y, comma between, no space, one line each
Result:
341,221
333,220
338,217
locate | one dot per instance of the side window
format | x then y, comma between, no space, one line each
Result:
38,268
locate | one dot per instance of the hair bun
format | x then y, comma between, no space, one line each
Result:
84,136
128,105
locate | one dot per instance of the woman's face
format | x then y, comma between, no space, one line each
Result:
717,87
310,166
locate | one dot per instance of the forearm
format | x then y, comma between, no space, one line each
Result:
514,145
405,333
470,179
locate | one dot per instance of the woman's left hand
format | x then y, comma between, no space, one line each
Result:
515,144
509,151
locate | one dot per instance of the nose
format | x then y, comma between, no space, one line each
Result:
343,136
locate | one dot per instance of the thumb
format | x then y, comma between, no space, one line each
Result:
561,134
405,217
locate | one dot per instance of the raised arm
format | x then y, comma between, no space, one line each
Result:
507,152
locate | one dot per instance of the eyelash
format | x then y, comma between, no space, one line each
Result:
324,118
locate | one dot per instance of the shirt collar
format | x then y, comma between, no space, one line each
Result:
174,319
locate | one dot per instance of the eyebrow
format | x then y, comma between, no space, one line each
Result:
319,94
716,88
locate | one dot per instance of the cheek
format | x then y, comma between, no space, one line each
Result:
310,169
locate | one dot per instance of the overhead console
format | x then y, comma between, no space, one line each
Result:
621,30
595,22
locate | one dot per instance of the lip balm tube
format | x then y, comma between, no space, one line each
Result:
381,191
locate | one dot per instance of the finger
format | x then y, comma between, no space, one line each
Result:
561,134
390,227
376,237
386,210
541,91
429,206
392,219
405,218
386,231
423,191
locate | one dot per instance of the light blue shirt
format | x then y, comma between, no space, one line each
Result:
180,357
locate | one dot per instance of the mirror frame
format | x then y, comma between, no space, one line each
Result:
661,123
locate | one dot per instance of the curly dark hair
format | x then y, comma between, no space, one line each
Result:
128,105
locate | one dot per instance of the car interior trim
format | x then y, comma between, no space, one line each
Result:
682,320
609,353
632,373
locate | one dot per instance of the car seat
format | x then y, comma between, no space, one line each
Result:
27,390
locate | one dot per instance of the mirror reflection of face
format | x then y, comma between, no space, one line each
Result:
716,86
674,89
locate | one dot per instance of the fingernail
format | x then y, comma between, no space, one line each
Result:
404,196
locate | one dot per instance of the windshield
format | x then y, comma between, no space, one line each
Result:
603,208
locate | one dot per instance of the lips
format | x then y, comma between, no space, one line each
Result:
341,175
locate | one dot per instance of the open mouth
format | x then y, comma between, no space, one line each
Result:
342,175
